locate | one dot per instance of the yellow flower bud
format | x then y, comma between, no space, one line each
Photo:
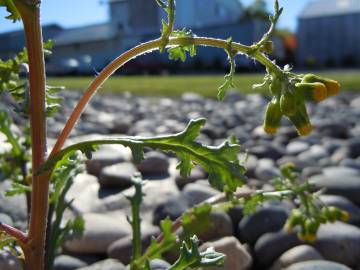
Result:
272,117
332,86
301,120
315,91
268,47
288,104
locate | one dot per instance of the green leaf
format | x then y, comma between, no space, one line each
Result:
156,249
196,219
229,78
17,189
180,52
221,162
191,257
11,8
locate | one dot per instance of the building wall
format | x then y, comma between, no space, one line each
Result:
329,41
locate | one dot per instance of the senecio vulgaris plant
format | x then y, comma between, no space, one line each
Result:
45,178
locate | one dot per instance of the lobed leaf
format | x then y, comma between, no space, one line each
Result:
191,257
221,162
14,14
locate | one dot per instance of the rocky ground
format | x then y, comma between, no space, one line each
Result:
330,158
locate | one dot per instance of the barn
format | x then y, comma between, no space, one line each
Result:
329,34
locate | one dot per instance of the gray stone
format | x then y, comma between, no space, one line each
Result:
296,147
117,176
339,242
14,206
84,192
354,148
266,170
121,249
196,193
65,262
318,265
171,208
108,264
220,225
267,151
197,173
155,163
158,264
315,152
297,254
9,261
341,172
237,257
270,246
268,219
4,218
344,185
100,231
107,155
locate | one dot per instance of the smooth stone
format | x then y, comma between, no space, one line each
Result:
270,246
190,97
13,206
340,171
344,204
65,262
84,192
121,249
266,170
311,171
108,264
350,163
158,264
220,225
155,163
354,148
196,193
297,254
171,208
268,219
296,147
318,265
196,174
117,176
157,192
107,155
6,219
267,151
346,185
9,261
333,129
339,242
315,152
100,232
237,257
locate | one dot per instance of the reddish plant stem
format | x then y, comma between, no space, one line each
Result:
34,249
19,235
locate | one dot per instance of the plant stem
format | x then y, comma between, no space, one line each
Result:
34,250
140,50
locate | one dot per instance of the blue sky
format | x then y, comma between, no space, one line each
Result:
71,13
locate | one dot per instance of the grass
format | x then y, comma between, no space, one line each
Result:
205,85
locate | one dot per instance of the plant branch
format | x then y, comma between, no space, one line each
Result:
140,50
34,250
19,235
241,193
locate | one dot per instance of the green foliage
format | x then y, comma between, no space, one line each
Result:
62,179
196,220
229,78
191,257
156,249
13,84
11,9
135,221
221,162
180,52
